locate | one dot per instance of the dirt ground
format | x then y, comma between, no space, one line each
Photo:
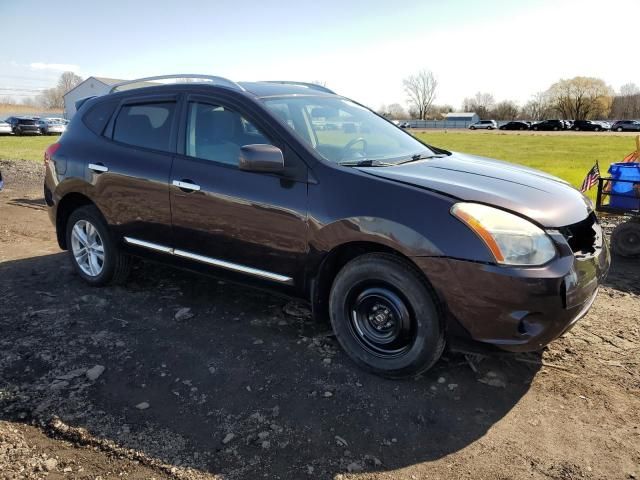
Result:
108,383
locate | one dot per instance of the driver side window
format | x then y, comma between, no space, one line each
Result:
217,133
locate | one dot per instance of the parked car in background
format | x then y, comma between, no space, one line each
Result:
5,128
23,126
515,125
548,125
470,250
588,126
486,124
51,126
626,126
404,125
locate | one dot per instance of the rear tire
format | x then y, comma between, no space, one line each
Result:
93,253
619,129
386,316
625,239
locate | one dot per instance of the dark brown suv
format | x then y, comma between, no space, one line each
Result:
404,246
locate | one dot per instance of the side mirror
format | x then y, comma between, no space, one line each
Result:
261,158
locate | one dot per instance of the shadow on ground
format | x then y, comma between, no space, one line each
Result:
35,203
243,383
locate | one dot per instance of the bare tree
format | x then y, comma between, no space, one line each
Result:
505,110
54,97
626,105
439,111
421,90
396,111
581,98
68,81
538,108
481,104
51,98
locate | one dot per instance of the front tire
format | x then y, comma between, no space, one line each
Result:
386,316
94,255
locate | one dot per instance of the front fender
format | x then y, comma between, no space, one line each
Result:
391,234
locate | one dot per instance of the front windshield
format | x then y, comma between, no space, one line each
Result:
344,132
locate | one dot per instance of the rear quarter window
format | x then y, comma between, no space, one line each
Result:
98,116
145,125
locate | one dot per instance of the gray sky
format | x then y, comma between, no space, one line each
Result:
362,50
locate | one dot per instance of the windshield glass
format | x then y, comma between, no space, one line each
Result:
344,132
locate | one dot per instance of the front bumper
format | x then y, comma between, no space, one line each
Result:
516,309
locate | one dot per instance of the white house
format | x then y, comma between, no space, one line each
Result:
470,117
91,87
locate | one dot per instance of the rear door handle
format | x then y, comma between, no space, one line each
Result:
98,167
186,185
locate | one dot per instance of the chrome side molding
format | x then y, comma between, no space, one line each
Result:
149,245
235,267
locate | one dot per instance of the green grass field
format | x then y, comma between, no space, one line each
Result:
567,156
25,148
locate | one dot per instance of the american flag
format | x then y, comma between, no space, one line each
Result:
591,179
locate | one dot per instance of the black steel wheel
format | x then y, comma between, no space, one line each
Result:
625,239
385,316
380,320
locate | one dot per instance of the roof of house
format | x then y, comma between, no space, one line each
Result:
108,81
461,114
103,80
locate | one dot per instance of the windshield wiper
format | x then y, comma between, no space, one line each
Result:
421,156
364,163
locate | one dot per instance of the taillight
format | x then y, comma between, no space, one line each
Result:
48,153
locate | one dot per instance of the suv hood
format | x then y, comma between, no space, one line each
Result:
547,200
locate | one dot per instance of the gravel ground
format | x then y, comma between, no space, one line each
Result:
176,375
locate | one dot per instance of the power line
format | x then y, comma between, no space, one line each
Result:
11,89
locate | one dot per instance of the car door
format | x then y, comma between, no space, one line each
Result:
130,169
250,223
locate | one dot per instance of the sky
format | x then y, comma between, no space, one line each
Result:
361,49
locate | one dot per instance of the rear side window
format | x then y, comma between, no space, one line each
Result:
145,125
98,116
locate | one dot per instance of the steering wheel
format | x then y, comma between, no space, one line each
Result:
353,142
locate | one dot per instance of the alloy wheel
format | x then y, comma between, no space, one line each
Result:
87,247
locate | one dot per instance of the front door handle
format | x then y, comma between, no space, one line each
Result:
98,167
186,185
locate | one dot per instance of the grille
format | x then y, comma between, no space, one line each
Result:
583,237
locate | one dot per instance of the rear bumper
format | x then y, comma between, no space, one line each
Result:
516,309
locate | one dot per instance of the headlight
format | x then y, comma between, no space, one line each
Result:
511,239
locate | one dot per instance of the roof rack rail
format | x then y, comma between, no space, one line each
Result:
221,81
314,86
